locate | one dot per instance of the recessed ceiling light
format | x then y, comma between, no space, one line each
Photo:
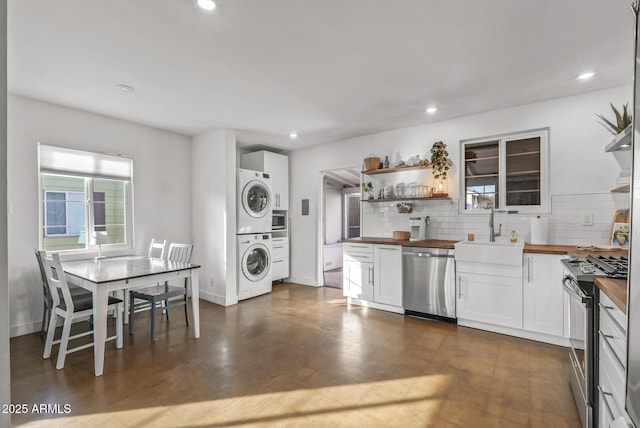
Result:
125,88
206,5
293,135
431,110
587,75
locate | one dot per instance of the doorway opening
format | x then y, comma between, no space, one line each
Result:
340,219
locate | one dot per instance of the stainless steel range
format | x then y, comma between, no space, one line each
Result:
579,285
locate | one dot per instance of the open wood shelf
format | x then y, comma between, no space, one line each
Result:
533,152
430,198
622,189
394,169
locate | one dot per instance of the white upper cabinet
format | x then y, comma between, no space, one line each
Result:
508,172
277,166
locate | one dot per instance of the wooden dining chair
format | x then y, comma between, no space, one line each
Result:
48,301
71,308
158,296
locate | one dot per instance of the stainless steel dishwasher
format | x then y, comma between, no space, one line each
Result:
429,284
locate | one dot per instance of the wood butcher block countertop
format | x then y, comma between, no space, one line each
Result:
425,243
616,290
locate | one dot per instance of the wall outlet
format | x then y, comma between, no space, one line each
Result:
587,219
210,282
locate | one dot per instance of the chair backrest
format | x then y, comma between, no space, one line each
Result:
180,252
57,280
43,275
156,247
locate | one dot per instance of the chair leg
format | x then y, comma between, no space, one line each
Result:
153,319
64,342
51,331
119,313
166,308
186,309
131,314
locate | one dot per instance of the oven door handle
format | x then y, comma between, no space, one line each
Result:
569,285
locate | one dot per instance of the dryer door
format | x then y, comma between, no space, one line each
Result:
256,262
256,199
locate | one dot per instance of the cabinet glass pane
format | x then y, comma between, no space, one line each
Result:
523,171
482,165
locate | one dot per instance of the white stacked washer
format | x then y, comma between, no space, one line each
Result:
254,233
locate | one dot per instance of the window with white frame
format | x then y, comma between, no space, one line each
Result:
509,172
84,194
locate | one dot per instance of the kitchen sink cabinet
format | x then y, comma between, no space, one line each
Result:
372,275
543,296
387,278
490,299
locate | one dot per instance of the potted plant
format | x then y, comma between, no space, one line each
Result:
440,164
623,120
368,188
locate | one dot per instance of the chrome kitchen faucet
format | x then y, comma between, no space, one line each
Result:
492,231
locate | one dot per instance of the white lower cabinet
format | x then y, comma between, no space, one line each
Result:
280,258
543,298
612,349
387,274
490,299
357,271
372,274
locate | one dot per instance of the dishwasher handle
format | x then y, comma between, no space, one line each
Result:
426,254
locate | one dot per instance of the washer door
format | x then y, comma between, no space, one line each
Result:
256,261
256,199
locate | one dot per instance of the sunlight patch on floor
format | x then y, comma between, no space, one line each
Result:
415,399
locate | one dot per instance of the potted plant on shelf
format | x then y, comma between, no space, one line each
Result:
623,120
368,189
440,164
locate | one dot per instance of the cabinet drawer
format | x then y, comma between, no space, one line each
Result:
349,247
358,257
613,336
279,269
279,241
279,251
612,374
610,307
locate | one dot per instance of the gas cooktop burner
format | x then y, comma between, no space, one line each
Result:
613,267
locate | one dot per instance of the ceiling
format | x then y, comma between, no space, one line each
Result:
329,69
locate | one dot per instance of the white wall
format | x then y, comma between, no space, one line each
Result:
162,187
5,373
578,164
213,164
333,214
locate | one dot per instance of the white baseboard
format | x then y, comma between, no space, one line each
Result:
217,299
538,337
374,305
22,329
309,281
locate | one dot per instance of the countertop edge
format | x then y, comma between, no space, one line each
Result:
615,289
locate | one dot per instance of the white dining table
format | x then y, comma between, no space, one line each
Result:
106,275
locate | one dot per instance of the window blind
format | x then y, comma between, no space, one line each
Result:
61,160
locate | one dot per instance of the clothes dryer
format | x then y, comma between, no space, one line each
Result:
254,202
254,265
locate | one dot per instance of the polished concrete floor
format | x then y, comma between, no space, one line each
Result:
300,356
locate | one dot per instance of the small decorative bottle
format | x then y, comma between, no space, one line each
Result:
386,162
514,237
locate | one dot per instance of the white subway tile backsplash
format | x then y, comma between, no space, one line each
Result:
565,220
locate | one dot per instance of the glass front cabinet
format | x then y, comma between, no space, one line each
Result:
508,172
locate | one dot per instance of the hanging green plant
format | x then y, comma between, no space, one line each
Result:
623,120
439,161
